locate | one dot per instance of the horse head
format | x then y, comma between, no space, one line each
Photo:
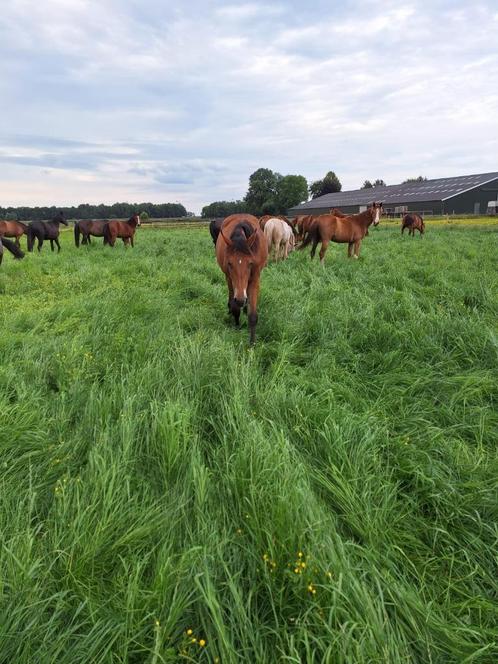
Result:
377,209
239,260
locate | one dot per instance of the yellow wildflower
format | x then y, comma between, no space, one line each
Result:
189,632
202,643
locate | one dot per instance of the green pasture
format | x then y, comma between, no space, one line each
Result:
169,494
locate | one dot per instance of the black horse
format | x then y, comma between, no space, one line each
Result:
11,246
215,227
45,230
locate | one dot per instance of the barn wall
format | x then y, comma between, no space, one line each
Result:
464,203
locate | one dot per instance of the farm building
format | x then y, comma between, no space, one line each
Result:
466,194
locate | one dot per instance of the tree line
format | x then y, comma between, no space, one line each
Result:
88,211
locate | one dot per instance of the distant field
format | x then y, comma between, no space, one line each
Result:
329,495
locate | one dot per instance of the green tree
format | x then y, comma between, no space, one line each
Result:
144,216
421,178
261,197
291,190
329,185
367,185
222,209
379,183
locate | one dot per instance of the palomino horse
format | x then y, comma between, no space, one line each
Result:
278,234
123,229
267,217
87,227
13,229
413,222
11,246
45,230
329,228
241,252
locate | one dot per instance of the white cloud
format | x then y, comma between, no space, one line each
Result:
166,102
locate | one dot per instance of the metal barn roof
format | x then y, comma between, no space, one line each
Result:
431,190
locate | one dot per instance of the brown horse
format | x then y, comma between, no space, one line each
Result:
351,229
413,222
303,225
339,213
241,252
13,229
123,229
87,227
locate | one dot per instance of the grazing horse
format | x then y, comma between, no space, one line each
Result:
12,247
45,230
241,252
413,222
214,228
351,229
278,234
13,229
87,227
303,224
123,229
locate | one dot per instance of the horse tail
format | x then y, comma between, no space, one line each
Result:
13,248
31,237
107,234
77,233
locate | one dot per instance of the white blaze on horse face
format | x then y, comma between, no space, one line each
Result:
377,216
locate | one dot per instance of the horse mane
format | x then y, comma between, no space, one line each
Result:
240,234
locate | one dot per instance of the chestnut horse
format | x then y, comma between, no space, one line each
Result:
413,222
123,229
303,225
87,227
13,229
351,229
241,252
339,213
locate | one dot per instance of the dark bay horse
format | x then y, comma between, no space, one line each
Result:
45,230
123,229
214,227
413,222
12,247
87,227
13,229
241,252
351,230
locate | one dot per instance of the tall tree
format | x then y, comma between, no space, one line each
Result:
261,197
291,190
329,185
367,185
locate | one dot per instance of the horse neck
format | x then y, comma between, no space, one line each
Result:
365,218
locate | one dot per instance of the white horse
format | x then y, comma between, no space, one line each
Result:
278,235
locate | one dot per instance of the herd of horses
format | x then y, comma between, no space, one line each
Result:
243,243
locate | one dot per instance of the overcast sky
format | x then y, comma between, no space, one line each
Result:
164,101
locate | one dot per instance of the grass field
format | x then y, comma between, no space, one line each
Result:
329,495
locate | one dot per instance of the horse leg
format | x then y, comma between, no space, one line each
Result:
56,240
357,245
131,242
325,244
252,296
350,249
313,248
51,245
40,243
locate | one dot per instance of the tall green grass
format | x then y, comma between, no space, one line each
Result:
326,496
